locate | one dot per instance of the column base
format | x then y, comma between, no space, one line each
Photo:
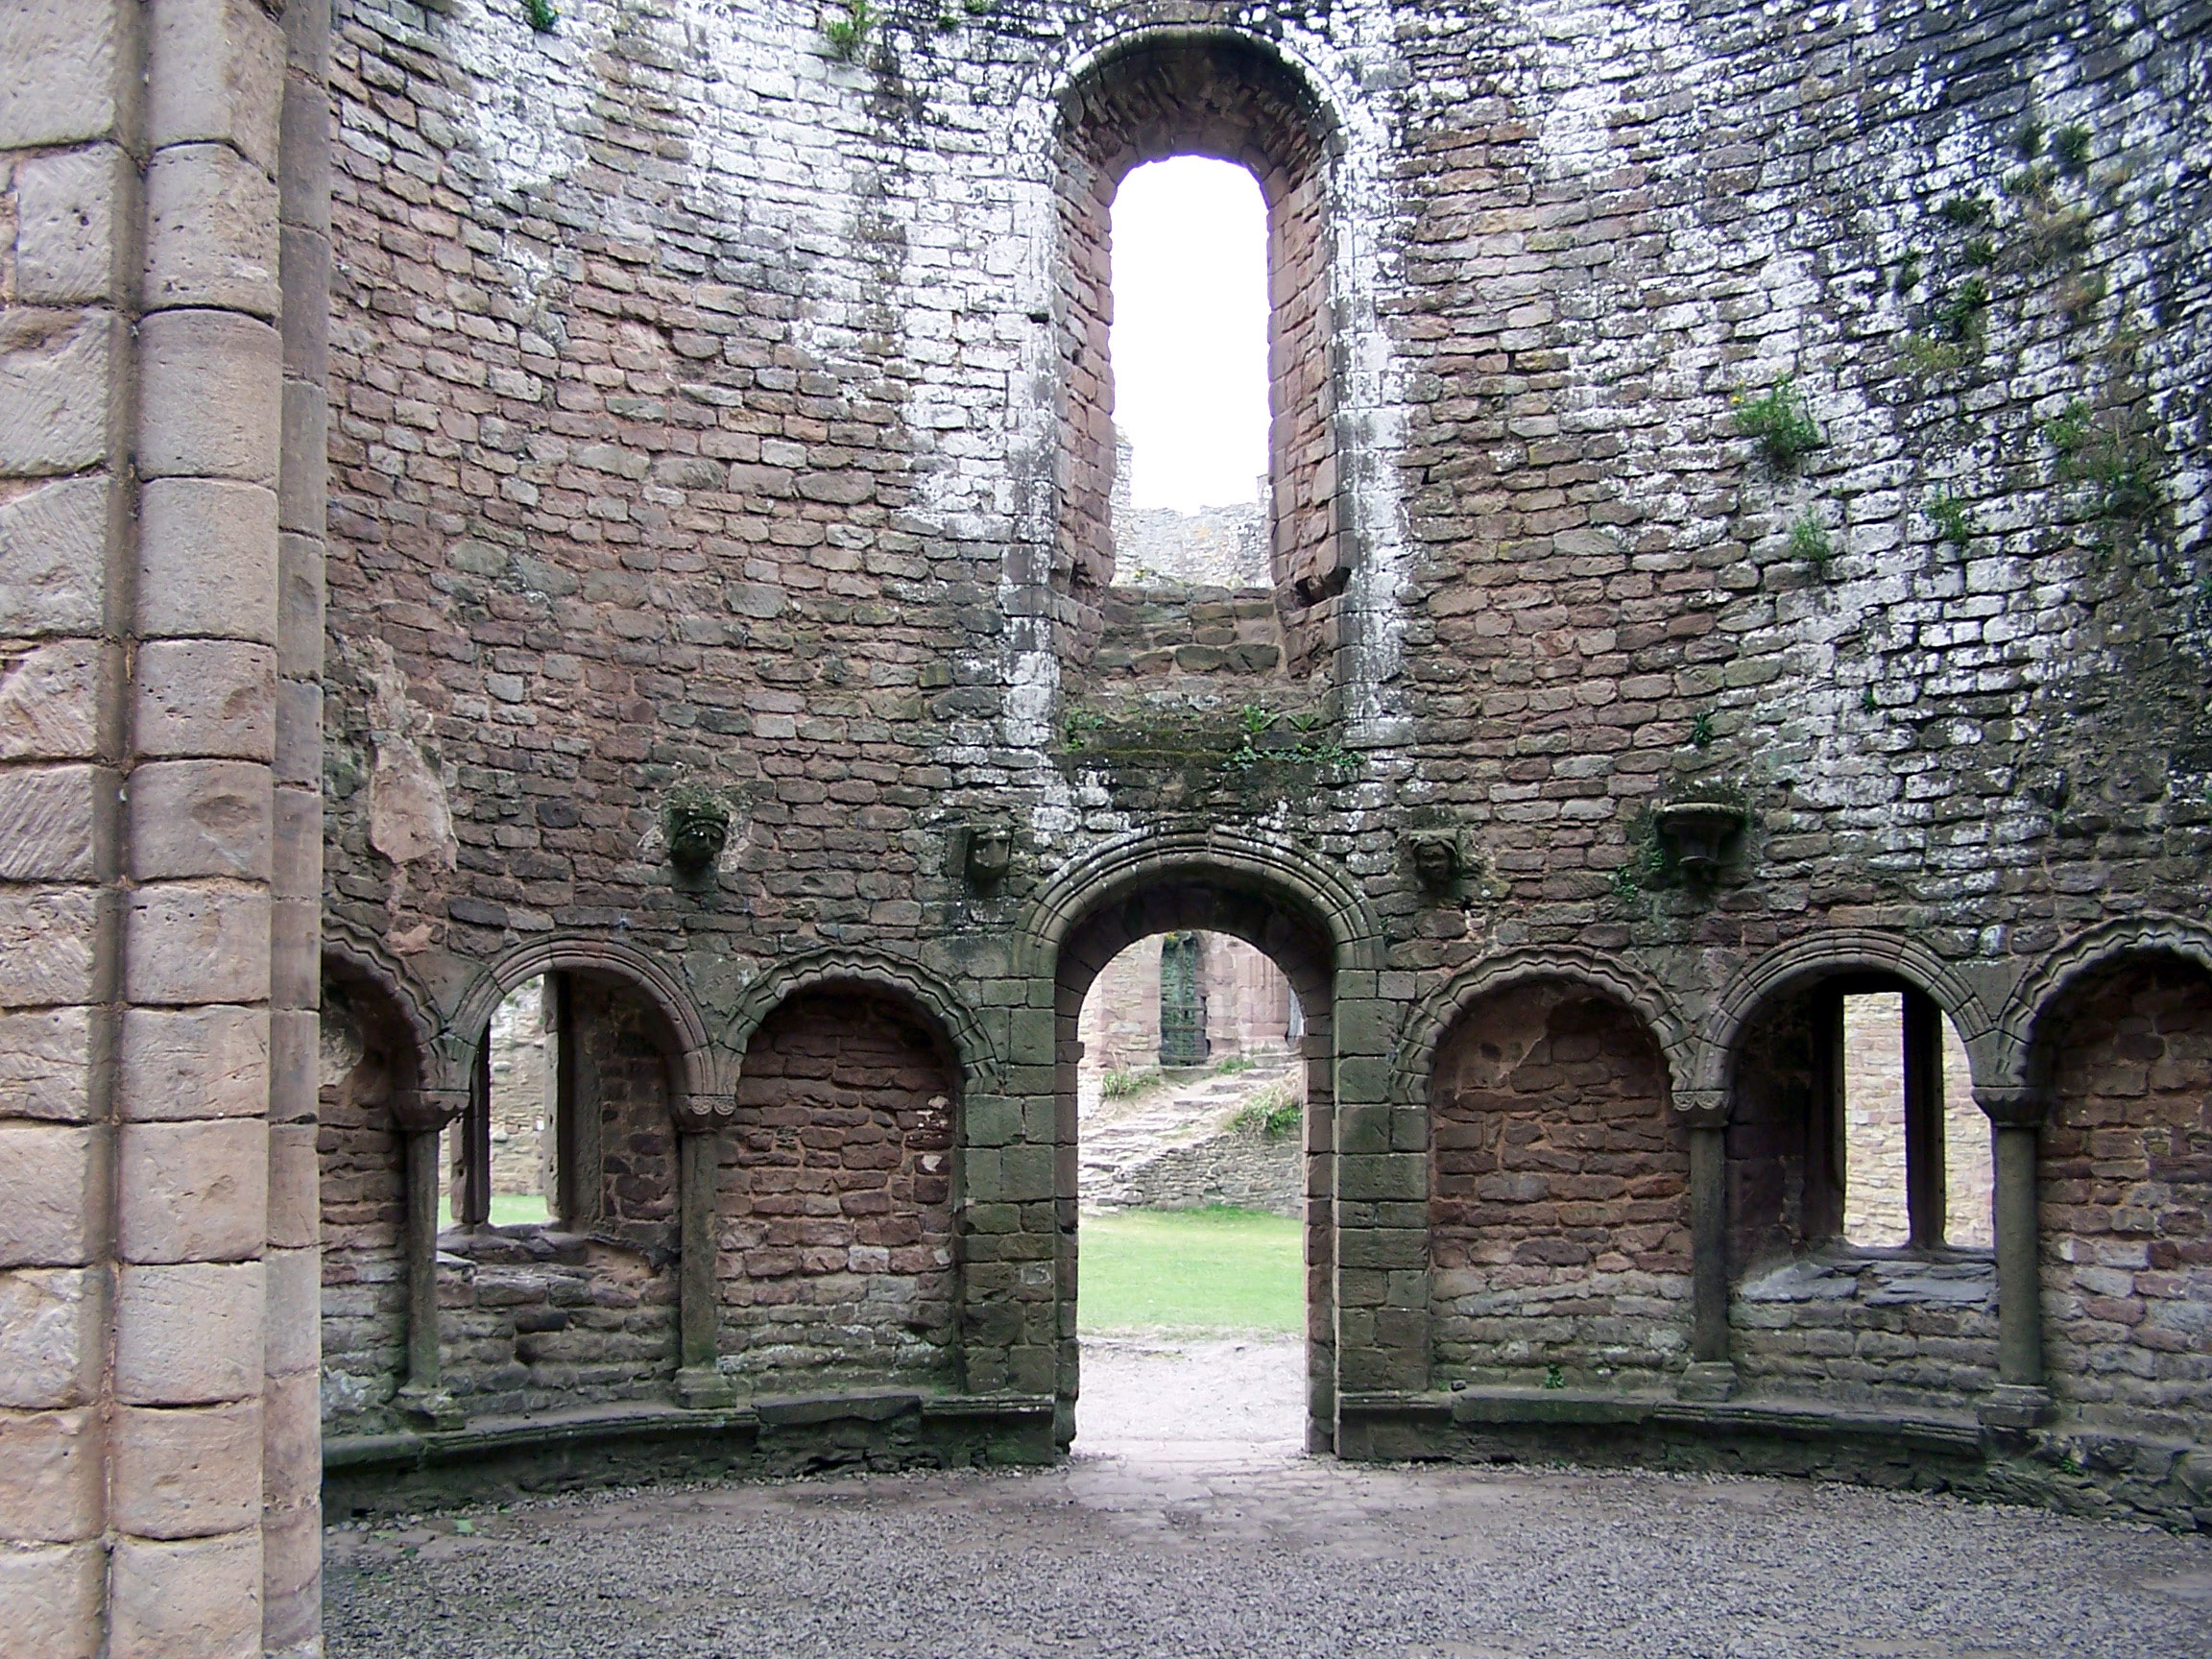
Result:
432,1407
1708,1381
2014,1406
703,1389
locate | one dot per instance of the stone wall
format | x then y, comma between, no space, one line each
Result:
2126,1196
1874,1196
522,1103
1242,1168
364,1209
1560,1205
834,1216
1248,1006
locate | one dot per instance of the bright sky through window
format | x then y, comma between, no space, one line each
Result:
1191,331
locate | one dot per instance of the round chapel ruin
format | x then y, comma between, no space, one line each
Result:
620,495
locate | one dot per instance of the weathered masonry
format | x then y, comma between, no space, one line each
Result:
629,502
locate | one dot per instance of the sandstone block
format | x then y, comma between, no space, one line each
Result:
193,1063
53,1191
188,942
291,1442
302,494
299,751
291,1581
305,259
293,1322
209,397
79,91
50,1337
208,560
194,1191
303,148
193,1472
294,1198
295,961
210,231
46,1065
213,697
298,842
74,231
188,1333
294,1072
53,558
53,823
190,1598
216,73
50,704
47,939
307,37
56,390
200,818
299,598
49,1477
50,1598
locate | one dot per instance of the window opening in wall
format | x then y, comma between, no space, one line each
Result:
1915,1149
505,1156
1188,344
1191,1179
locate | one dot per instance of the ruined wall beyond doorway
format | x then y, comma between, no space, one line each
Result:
1247,1000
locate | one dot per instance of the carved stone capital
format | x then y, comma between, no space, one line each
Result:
426,1111
1701,1107
704,1114
2012,1105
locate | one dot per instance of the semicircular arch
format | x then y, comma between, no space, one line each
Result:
2109,944
1433,1017
872,970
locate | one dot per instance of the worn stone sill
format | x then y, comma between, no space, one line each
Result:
624,1420
1956,1431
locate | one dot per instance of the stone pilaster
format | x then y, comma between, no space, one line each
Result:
2021,1399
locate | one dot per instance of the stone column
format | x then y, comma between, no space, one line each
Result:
291,1485
71,119
1381,1203
699,1382
1710,1376
421,1119
2021,1400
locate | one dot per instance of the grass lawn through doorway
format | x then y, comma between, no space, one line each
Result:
1191,1270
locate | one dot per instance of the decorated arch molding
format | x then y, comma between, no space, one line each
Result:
1124,866
869,970
1625,983
2111,944
1819,956
699,1075
347,955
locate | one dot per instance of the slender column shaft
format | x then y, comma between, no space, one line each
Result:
2019,1269
1708,1242
422,1364
699,1316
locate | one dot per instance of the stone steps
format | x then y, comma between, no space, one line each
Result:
1120,1136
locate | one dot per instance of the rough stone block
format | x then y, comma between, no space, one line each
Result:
213,697
300,600
49,1477
55,823
210,231
302,494
53,558
47,946
209,397
190,1598
293,1332
49,703
78,48
51,1336
295,1198
50,1598
186,942
188,1333
47,1065
57,372
217,72
191,1471
75,214
193,1063
206,561
53,1193
194,1191
200,818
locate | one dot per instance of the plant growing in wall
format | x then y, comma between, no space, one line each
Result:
539,16
1808,540
1949,516
848,31
1781,421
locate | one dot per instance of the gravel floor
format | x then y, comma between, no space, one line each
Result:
1187,1524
